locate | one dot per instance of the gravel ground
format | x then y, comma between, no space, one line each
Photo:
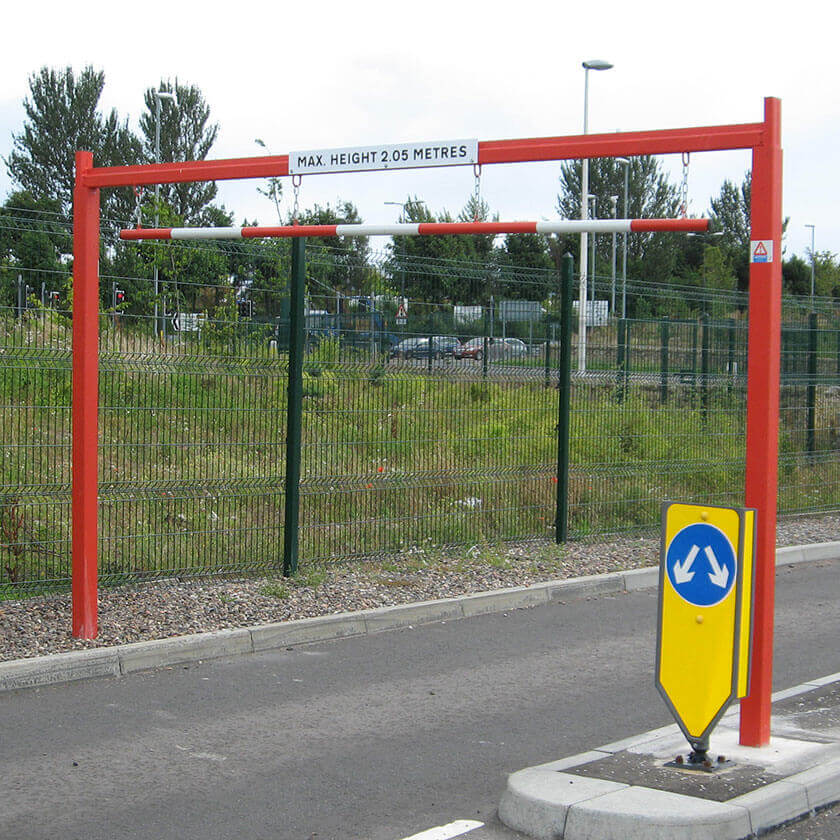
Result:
41,625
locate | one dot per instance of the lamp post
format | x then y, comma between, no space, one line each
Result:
614,202
159,96
626,163
813,263
593,64
593,206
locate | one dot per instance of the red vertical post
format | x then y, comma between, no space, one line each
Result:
763,413
85,399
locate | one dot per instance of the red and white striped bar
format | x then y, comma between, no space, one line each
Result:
425,229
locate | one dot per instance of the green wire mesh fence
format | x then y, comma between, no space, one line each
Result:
424,422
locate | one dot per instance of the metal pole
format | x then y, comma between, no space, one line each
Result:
157,210
762,477
294,408
614,200
813,258
561,519
624,244
811,387
85,401
584,211
593,201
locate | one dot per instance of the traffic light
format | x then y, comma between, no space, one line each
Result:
246,309
119,297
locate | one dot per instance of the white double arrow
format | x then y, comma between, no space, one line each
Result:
718,576
683,573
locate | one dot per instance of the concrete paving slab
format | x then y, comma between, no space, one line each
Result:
821,783
645,814
423,612
144,655
505,599
608,583
305,630
641,579
538,800
773,804
62,667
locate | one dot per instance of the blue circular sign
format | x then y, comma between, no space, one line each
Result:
701,564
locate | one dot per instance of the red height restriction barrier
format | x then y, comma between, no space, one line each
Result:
763,138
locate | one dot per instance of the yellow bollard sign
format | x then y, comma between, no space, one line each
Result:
705,613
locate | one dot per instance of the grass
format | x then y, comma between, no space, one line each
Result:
394,460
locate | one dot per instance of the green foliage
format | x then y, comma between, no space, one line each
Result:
185,134
62,116
275,590
650,195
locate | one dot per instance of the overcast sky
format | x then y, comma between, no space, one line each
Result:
328,74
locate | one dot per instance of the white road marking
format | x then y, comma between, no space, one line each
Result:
446,832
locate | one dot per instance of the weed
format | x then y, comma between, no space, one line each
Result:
275,590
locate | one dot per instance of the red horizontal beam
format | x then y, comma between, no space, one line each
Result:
619,144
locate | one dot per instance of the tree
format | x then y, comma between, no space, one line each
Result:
445,268
526,267
185,134
730,214
650,195
337,262
33,239
62,117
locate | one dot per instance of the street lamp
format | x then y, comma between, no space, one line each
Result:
813,259
159,96
614,202
626,163
593,64
593,204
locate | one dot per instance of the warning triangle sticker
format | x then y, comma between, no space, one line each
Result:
760,250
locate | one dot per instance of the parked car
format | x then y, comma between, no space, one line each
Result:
472,349
497,348
418,347
509,348
445,345
410,348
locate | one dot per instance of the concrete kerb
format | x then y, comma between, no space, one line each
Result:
129,658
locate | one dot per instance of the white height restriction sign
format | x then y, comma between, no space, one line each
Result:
396,156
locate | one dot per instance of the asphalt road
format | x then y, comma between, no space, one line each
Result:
376,738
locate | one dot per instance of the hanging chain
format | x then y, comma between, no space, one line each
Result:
686,159
477,194
138,196
296,179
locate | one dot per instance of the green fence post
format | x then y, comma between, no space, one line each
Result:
619,358
730,367
561,519
705,348
664,335
837,336
547,363
431,353
626,371
294,409
694,355
811,389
